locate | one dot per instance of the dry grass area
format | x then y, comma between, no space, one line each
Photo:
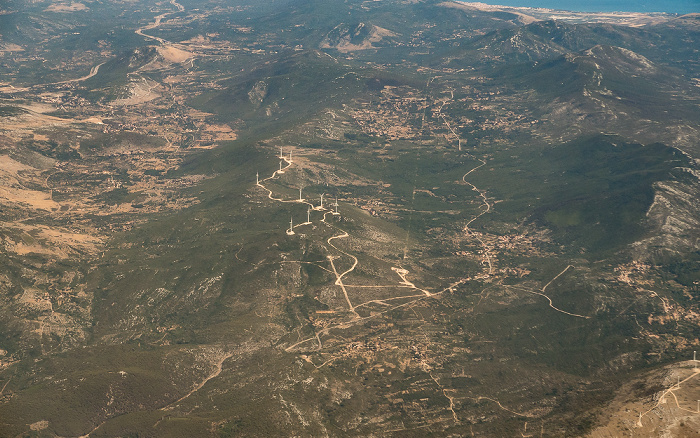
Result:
394,117
61,199
66,7
140,91
656,405
9,47
21,126
33,199
21,238
174,54
52,241
15,177
71,190
376,35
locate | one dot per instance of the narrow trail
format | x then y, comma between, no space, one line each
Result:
340,276
383,302
356,321
441,116
486,249
274,175
478,399
451,399
400,272
5,385
448,397
339,282
525,431
331,258
487,254
551,304
217,371
426,369
487,258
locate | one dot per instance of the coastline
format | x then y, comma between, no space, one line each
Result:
530,14
604,7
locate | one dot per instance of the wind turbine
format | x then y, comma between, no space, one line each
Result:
320,207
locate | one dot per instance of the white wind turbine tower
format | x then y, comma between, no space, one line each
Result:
290,231
320,207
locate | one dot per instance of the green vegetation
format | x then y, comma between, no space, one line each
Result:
496,258
131,141
9,111
597,190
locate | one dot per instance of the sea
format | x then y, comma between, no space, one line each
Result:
668,6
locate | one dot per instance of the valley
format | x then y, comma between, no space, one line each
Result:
325,218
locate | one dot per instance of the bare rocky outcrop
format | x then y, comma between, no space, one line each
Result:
258,93
675,213
348,38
